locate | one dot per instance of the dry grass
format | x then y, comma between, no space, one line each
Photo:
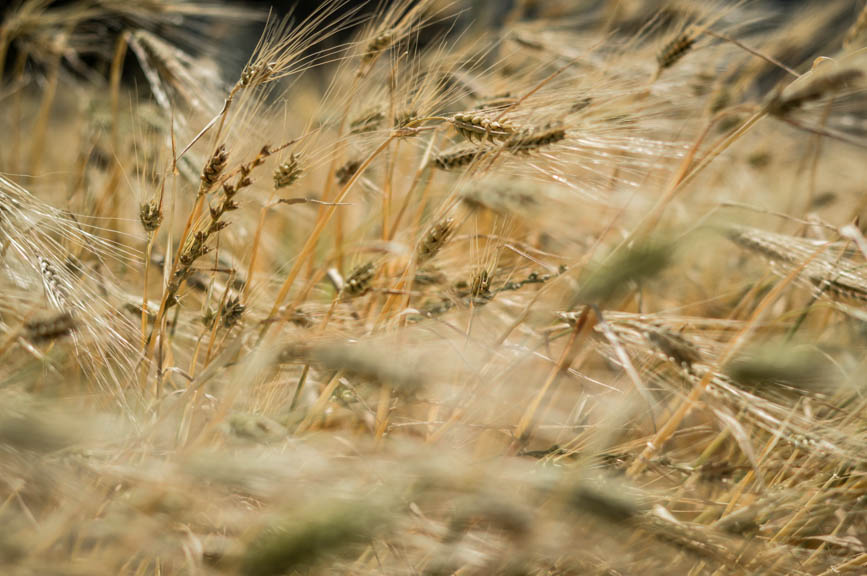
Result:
579,293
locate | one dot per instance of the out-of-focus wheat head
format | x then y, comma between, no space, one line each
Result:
424,287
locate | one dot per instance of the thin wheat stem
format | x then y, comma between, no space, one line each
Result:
114,80
309,245
40,125
671,425
523,428
754,52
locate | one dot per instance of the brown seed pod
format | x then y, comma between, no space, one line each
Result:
500,101
674,50
458,157
404,117
435,239
150,215
347,171
47,329
232,312
255,74
195,249
54,285
215,166
480,127
533,139
288,172
379,43
368,121
358,282
673,346
819,87
840,289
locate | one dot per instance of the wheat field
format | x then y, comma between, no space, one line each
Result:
433,288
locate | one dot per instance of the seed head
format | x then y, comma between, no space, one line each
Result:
533,139
347,171
288,172
52,281
358,282
458,157
674,346
404,117
675,50
255,74
215,166
52,328
232,312
208,317
435,239
367,122
377,45
195,249
781,105
150,215
477,126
